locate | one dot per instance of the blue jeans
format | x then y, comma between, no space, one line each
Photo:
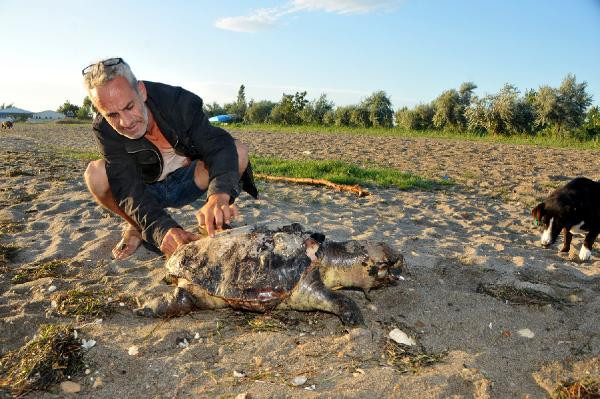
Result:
177,189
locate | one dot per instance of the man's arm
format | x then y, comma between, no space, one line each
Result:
218,151
128,189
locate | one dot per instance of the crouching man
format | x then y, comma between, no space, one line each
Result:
158,151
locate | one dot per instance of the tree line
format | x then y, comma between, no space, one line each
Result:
558,111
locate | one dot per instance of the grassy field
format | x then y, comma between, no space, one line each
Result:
335,171
541,141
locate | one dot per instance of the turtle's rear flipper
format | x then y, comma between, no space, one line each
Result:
311,294
177,303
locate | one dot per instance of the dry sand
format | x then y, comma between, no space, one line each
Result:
456,239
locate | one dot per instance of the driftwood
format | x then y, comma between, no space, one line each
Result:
361,192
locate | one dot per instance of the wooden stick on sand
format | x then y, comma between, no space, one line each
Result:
361,192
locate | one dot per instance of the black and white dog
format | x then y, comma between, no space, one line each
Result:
574,209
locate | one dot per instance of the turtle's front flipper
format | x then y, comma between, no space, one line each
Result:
311,294
177,303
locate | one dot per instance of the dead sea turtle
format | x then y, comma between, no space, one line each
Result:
274,265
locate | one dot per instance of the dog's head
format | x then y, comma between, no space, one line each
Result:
549,221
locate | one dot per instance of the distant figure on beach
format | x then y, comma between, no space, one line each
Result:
159,150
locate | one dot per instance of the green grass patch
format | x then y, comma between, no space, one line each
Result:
73,122
342,173
52,355
37,270
78,154
541,141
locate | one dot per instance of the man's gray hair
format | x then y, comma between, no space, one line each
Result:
100,74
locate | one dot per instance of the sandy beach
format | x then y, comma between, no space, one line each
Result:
505,317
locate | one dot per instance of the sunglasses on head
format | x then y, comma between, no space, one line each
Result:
106,63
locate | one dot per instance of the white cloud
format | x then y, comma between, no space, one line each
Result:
260,20
344,6
266,18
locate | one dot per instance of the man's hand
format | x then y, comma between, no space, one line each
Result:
215,212
174,238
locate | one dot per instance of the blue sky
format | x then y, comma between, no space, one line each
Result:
347,49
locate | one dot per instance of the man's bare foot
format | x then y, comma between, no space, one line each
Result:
129,243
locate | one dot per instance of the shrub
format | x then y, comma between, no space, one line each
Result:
418,118
258,112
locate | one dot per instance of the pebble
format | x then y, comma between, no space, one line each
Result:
98,383
242,396
133,350
87,344
70,387
52,288
238,374
400,337
526,333
300,380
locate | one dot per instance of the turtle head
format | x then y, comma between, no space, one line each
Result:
384,265
361,264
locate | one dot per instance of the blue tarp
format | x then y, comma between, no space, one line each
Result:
221,118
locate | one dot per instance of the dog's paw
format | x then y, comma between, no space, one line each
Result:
584,254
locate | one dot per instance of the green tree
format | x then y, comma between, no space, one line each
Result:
591,126
87,109
360,116
315,110
329,118
465,93
573,102
287,111
505,113
546,107
418,118
449,111
259,111
239,107
341,115
562,109
451,105
5,106
213,109
68,109
379,108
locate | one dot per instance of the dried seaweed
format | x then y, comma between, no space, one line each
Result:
521,296
585,388
50,357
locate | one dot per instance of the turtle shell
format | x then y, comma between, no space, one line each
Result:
252,268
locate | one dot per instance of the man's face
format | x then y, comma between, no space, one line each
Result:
122,106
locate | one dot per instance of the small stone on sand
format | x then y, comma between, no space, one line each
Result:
70,387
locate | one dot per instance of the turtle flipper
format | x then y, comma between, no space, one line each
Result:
177,303
312,294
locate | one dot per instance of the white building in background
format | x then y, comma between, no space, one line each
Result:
46,116
14,113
